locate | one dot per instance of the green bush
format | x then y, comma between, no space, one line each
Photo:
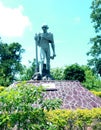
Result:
23,107
96,93
92,81
74,72
1,88
58,73
75,119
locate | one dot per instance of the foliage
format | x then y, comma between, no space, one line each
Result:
96,14
10,58
57,73
1,88
95,54
22,106
27,73
75,119
74,72
96,93
95,51
92,81
98,66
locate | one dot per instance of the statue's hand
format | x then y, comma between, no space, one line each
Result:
52,57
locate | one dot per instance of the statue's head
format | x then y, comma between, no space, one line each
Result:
45,26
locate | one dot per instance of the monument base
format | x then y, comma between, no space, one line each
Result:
72,94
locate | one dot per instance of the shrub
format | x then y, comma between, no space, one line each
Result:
1,88
74,72
96,93
75,119
23,106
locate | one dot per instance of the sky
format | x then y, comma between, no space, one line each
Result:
68,20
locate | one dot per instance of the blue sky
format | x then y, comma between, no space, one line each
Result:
68,20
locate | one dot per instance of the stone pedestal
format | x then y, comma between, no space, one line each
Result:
72,94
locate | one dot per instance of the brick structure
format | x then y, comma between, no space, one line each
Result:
72,94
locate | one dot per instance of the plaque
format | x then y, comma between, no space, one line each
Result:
49,86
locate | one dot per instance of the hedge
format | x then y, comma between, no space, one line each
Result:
97,93
1,88
59,119
73,119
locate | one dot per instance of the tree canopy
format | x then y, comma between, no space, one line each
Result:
95,50
74,72
57,73
27,72
10,62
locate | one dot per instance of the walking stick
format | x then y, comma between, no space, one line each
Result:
36,50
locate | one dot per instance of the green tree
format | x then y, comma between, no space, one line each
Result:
10,62
27,72
95,50
74,72
57,73
92,81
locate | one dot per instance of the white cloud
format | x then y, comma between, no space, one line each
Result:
12,21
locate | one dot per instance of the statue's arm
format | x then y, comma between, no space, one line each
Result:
53,46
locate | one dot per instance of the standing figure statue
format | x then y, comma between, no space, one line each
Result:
44,40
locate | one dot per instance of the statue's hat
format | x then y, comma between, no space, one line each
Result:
45,26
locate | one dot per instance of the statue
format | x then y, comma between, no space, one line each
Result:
44,40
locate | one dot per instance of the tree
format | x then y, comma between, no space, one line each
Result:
95,50
27,72
74,72
92,81
10,62
57,73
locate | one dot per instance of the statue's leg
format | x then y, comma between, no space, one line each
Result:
48,61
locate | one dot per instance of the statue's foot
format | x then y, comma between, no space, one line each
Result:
47,77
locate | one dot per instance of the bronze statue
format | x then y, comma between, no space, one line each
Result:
44,40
